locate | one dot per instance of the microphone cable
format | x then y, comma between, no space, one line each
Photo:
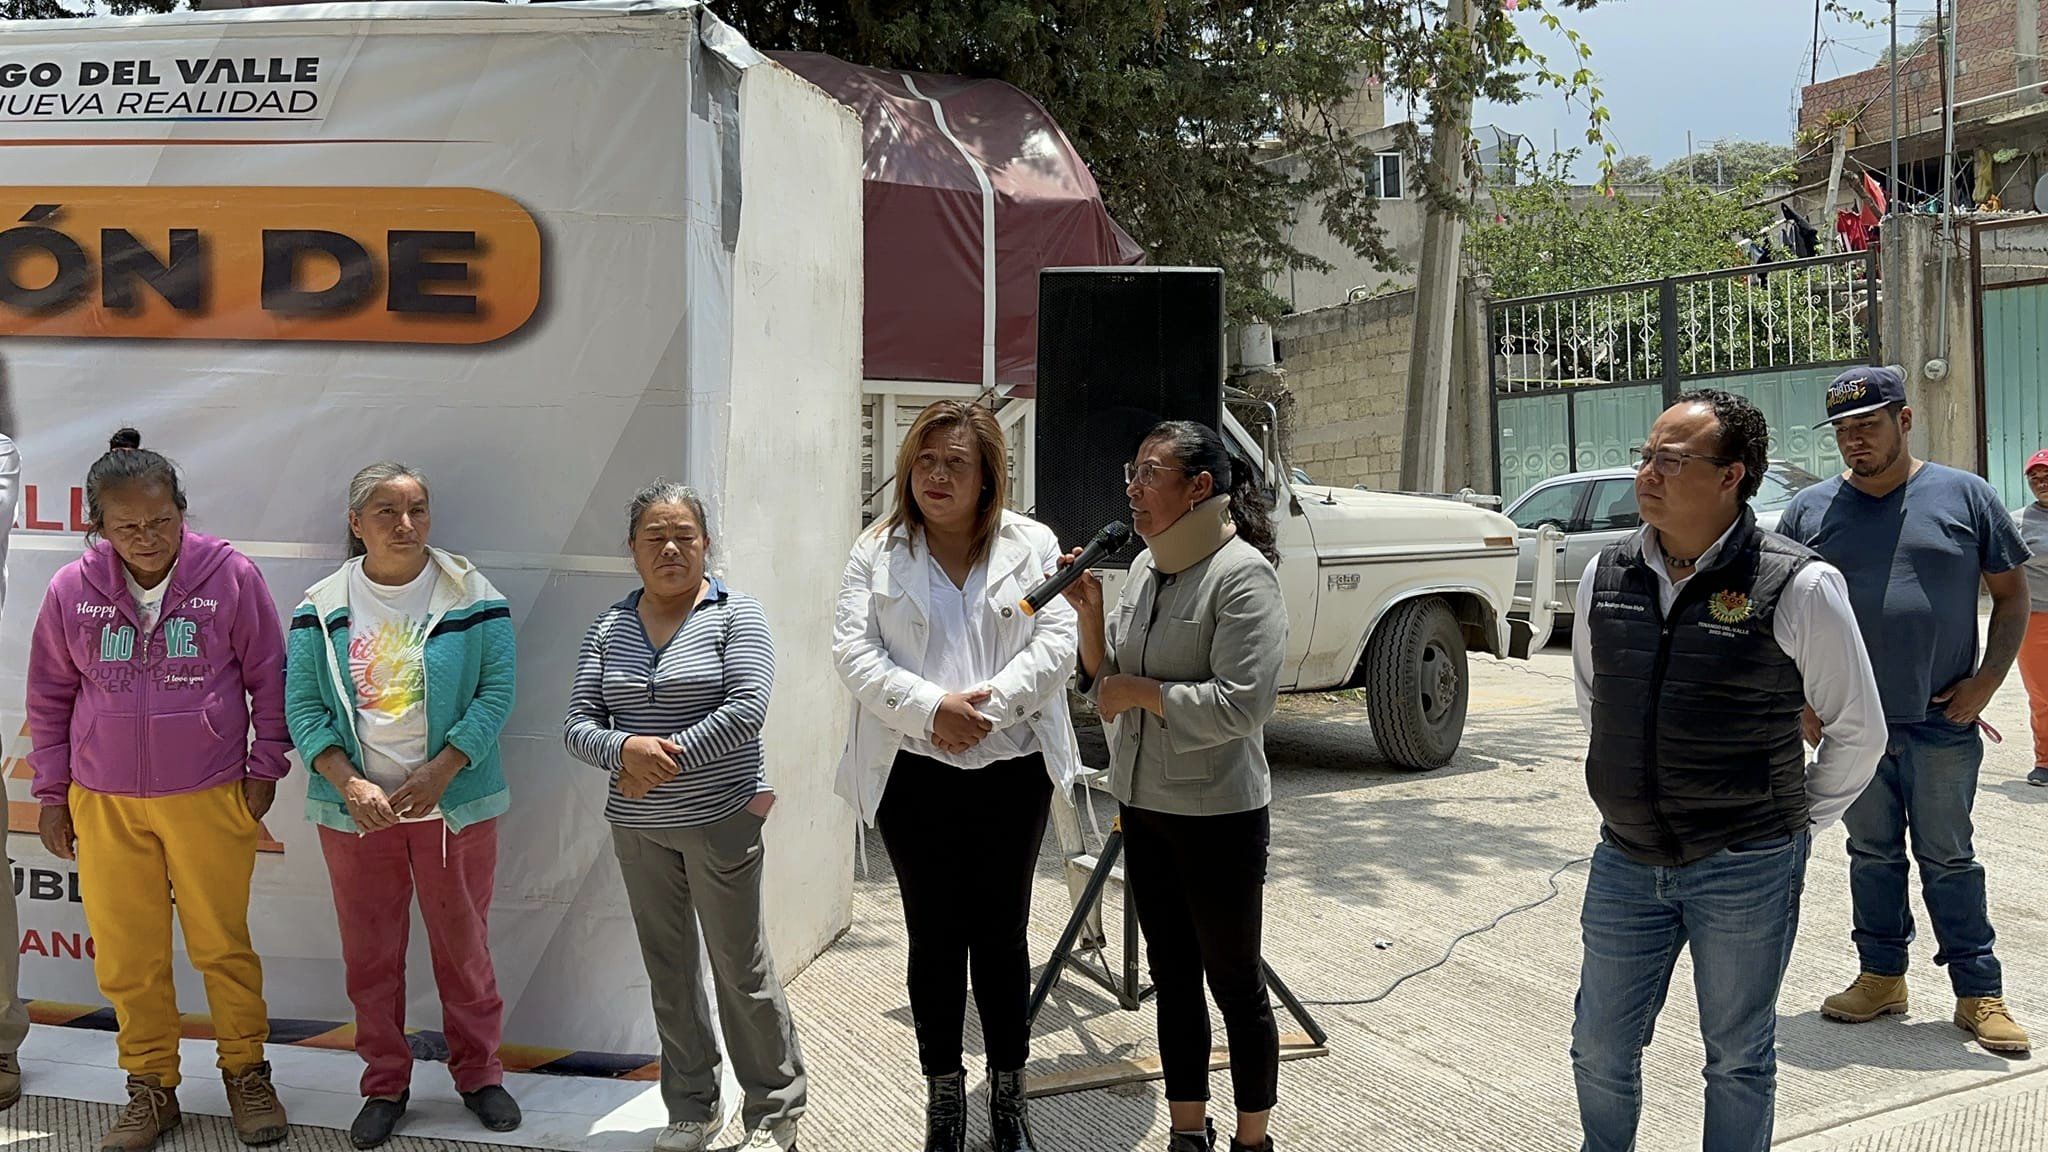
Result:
1555,892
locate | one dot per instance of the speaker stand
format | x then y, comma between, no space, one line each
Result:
1090,958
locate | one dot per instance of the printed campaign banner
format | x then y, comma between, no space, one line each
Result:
494,243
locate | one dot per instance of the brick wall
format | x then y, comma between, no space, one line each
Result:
1986,62
1348,369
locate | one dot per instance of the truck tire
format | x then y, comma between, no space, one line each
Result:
1416,684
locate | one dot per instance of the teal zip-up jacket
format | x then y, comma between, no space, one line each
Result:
471,648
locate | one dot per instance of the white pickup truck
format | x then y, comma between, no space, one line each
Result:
1387,592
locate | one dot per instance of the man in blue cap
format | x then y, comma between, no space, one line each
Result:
1913,539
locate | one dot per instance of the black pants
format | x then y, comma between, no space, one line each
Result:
965,847
1199,884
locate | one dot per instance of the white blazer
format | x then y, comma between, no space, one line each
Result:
878,644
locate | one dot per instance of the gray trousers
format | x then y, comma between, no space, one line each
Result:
677,879
14,1016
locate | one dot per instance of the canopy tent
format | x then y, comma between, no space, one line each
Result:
970,189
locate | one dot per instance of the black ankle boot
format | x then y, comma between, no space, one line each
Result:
1265,1145
945,1113
1188,1142
1009,1118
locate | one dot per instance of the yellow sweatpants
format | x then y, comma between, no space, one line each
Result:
133,852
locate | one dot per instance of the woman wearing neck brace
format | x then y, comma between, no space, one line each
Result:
1184,672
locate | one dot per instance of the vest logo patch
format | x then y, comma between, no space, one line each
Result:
1730,607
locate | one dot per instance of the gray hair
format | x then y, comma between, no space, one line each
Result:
665,492
365,485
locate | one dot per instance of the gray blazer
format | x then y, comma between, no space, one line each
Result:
1216,636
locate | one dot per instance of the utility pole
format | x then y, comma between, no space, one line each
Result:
1893,294
1426,429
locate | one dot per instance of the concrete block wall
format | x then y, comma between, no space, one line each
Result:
1348,369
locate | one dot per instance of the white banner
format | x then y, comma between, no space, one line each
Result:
495,243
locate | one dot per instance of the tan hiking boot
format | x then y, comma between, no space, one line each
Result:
152,1112
259,1115
1990,1021
10,1081
1868,998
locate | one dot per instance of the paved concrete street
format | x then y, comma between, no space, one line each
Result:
1373,872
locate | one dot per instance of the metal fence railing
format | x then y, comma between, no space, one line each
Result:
1764,317
1577,377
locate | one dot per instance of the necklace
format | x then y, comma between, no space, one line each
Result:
1671,561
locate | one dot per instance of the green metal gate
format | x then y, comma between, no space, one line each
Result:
1579,377
2009,267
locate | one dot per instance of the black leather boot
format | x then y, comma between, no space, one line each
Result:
945,1113
1265,1145
1187,1142
1009,1117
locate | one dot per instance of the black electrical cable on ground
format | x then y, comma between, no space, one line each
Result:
1555,892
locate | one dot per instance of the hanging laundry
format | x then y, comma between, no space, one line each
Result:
1800,238
1854,233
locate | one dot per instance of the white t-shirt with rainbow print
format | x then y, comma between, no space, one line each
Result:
387,661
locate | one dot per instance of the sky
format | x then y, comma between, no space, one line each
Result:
1718,68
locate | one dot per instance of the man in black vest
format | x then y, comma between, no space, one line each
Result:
1703,638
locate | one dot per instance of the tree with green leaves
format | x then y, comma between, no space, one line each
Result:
1733,162
1179,107
1632,170
1548,236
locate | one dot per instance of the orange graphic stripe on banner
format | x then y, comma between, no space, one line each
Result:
378,265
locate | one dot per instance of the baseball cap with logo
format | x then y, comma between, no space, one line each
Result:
1863,390
2037,460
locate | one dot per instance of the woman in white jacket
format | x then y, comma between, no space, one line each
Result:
960,734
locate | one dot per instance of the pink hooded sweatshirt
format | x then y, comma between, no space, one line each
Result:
126,715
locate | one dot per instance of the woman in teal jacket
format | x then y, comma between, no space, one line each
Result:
400,677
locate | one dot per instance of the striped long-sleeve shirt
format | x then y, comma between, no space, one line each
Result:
706,689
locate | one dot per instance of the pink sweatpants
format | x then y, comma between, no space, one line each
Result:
374,877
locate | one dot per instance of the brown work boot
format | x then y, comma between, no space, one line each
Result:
1868,998
10,1081
1990,1021
259,1116
152,1112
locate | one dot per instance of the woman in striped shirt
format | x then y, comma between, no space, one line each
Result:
671,693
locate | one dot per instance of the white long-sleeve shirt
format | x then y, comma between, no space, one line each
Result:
1816,627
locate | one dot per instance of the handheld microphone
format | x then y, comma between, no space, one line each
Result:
1114,535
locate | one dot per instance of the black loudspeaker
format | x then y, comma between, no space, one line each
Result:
1119,350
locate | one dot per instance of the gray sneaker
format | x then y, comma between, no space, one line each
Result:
686,1136
2039,777
772,1138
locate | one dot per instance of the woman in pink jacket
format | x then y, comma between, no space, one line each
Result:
155,655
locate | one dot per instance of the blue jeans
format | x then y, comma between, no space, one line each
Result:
1926,783
1738,910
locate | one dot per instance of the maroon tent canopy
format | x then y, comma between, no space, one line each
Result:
948,296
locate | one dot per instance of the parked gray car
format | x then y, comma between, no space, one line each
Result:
1594,509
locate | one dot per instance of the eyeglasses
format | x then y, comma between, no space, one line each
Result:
1146,475
1670,463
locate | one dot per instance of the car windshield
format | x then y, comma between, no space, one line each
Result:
1781,482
